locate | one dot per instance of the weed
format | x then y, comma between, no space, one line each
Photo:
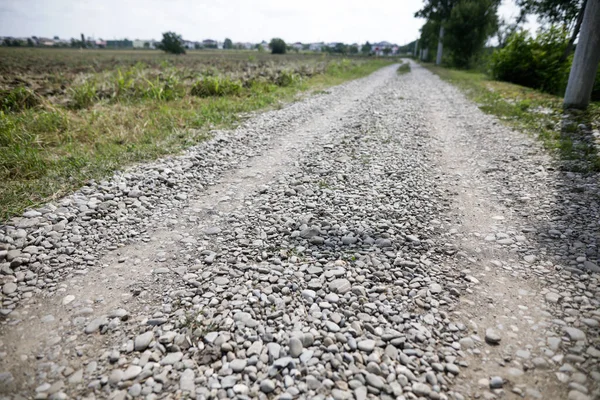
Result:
286,78
215,86
324,185
123,83
18,99
404,68
168,89
84,95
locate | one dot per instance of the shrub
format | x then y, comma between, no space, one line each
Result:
214,86
533,62
18,99
277,46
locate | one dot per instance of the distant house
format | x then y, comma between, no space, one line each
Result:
379,48
297,46
188,44
210,44
243,45
100,43
316,46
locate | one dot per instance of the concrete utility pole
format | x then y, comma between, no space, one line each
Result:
585,62
438,59
416,47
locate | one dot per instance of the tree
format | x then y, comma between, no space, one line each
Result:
277,46
30,42
585,63
438,11
366,48
429,37
568,13
387,51
470,24
340,48
353,49
505,31
228,44
171,43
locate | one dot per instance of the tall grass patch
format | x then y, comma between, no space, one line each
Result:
80,124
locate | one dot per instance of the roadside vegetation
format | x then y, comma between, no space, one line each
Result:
68,116
456,32
404,68
535,112
522,79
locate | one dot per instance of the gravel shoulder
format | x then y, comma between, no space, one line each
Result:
384,240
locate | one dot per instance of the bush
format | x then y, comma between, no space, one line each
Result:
215,86
535,63
18,99
277,46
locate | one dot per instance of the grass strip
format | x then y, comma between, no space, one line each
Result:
47,152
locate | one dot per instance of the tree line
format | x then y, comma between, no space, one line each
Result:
457,33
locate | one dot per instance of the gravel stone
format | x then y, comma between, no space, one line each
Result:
9,288
295,347
142,341
492,337
267,386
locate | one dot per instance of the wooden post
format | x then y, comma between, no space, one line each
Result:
585,62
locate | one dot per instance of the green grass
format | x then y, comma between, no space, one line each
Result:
404,68
48,150
534,112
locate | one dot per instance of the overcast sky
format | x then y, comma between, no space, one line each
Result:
241,20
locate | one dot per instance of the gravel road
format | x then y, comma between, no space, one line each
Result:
383,240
